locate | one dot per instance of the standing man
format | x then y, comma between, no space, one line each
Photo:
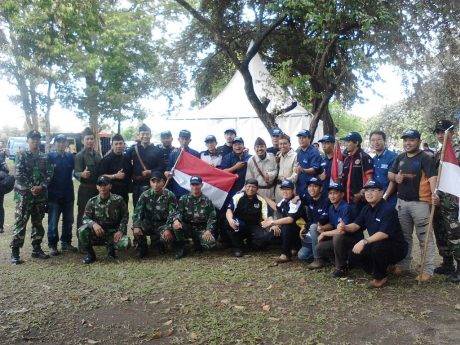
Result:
195,218
227,148
275,134
263,168
86,171
357,170
3,169
287,160
212,155
383,160
327,144
446,225
145,158
105,221
60,197
185,137
414,172
117,167
33,175
236,163
166,145
308,161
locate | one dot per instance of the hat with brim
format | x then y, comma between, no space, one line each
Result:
103,181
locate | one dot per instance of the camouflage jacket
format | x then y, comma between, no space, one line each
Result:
32,169
111,213
155,208
197,211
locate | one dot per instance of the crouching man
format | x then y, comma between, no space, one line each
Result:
245,215
153,216
195,218
105,221
385,245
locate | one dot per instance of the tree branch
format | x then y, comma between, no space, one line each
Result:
285,110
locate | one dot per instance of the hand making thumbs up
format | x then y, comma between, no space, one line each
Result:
341,226
86,173
399,178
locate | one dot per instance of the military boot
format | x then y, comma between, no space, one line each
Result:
181,251
447,267
15,258
142,248
90,256
111,252
455,276
38,253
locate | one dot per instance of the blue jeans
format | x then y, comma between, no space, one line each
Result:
308,250
55,209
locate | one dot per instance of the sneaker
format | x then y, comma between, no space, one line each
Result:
67,247
316,264
339,273
54,251
38,253
376,283
283,259
424,277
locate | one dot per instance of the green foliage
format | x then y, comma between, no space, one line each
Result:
346,122
129,133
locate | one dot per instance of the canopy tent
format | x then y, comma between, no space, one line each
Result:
232,109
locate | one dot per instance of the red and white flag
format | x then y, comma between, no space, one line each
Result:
337,164
449,179
216,183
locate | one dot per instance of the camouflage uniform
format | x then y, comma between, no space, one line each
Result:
111,214
32,169
154,214
197,214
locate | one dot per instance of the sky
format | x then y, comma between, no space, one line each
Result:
380,94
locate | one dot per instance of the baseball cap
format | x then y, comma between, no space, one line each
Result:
442,125
411,134
286,184
34,134
276,132
185,134
335,186
316,181
238,140
210,138
304,133
196,180
353,136
230,130
103,181
60,137
156,175
373,184
327,138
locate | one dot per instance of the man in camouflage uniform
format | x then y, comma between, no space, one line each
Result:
196,218
105,221
153,215
33,174
446,225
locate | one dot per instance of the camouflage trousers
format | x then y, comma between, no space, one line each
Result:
195,232
154,230
447,227
28,206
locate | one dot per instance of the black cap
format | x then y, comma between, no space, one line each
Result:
276,132
157,175
335,186
103,181
144,128
196,180
327,138
286,184
260,142
238,140
165,134
230,130
252,181
60,137
442,126
33,134
353,136
185,134
210,139
411,134
373,184
304,133
315,181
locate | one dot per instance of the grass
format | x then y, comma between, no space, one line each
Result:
212,299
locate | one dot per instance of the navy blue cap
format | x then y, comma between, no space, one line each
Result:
276,132
238,140
353,136
103,181
443,125
230,130
411,134
327,138
210,138
335,186
196,180
165,134
33,134
316,181
304,133
373,184
157,175
286,184
185,134
60,137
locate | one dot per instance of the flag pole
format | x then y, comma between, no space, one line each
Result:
433,208
173,168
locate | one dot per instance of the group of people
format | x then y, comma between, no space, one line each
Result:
281,196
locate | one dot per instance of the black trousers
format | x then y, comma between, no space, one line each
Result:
377,256
138,189
289,238
255,236
85,192
2,211
338,249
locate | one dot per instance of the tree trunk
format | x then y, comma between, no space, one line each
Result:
92,109
320,110
46,125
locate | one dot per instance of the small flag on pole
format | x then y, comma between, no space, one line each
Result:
449,178
337,164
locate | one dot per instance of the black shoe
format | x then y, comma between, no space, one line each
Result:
237,253
2,231
455,276
111,253
90,256
198,248
54,251
339,273
181,251
447,267
142,251
15,258
38,253
67,247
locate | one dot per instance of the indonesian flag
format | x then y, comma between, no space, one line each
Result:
449,179
216,183
337,164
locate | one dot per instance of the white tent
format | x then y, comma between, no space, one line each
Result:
231,109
